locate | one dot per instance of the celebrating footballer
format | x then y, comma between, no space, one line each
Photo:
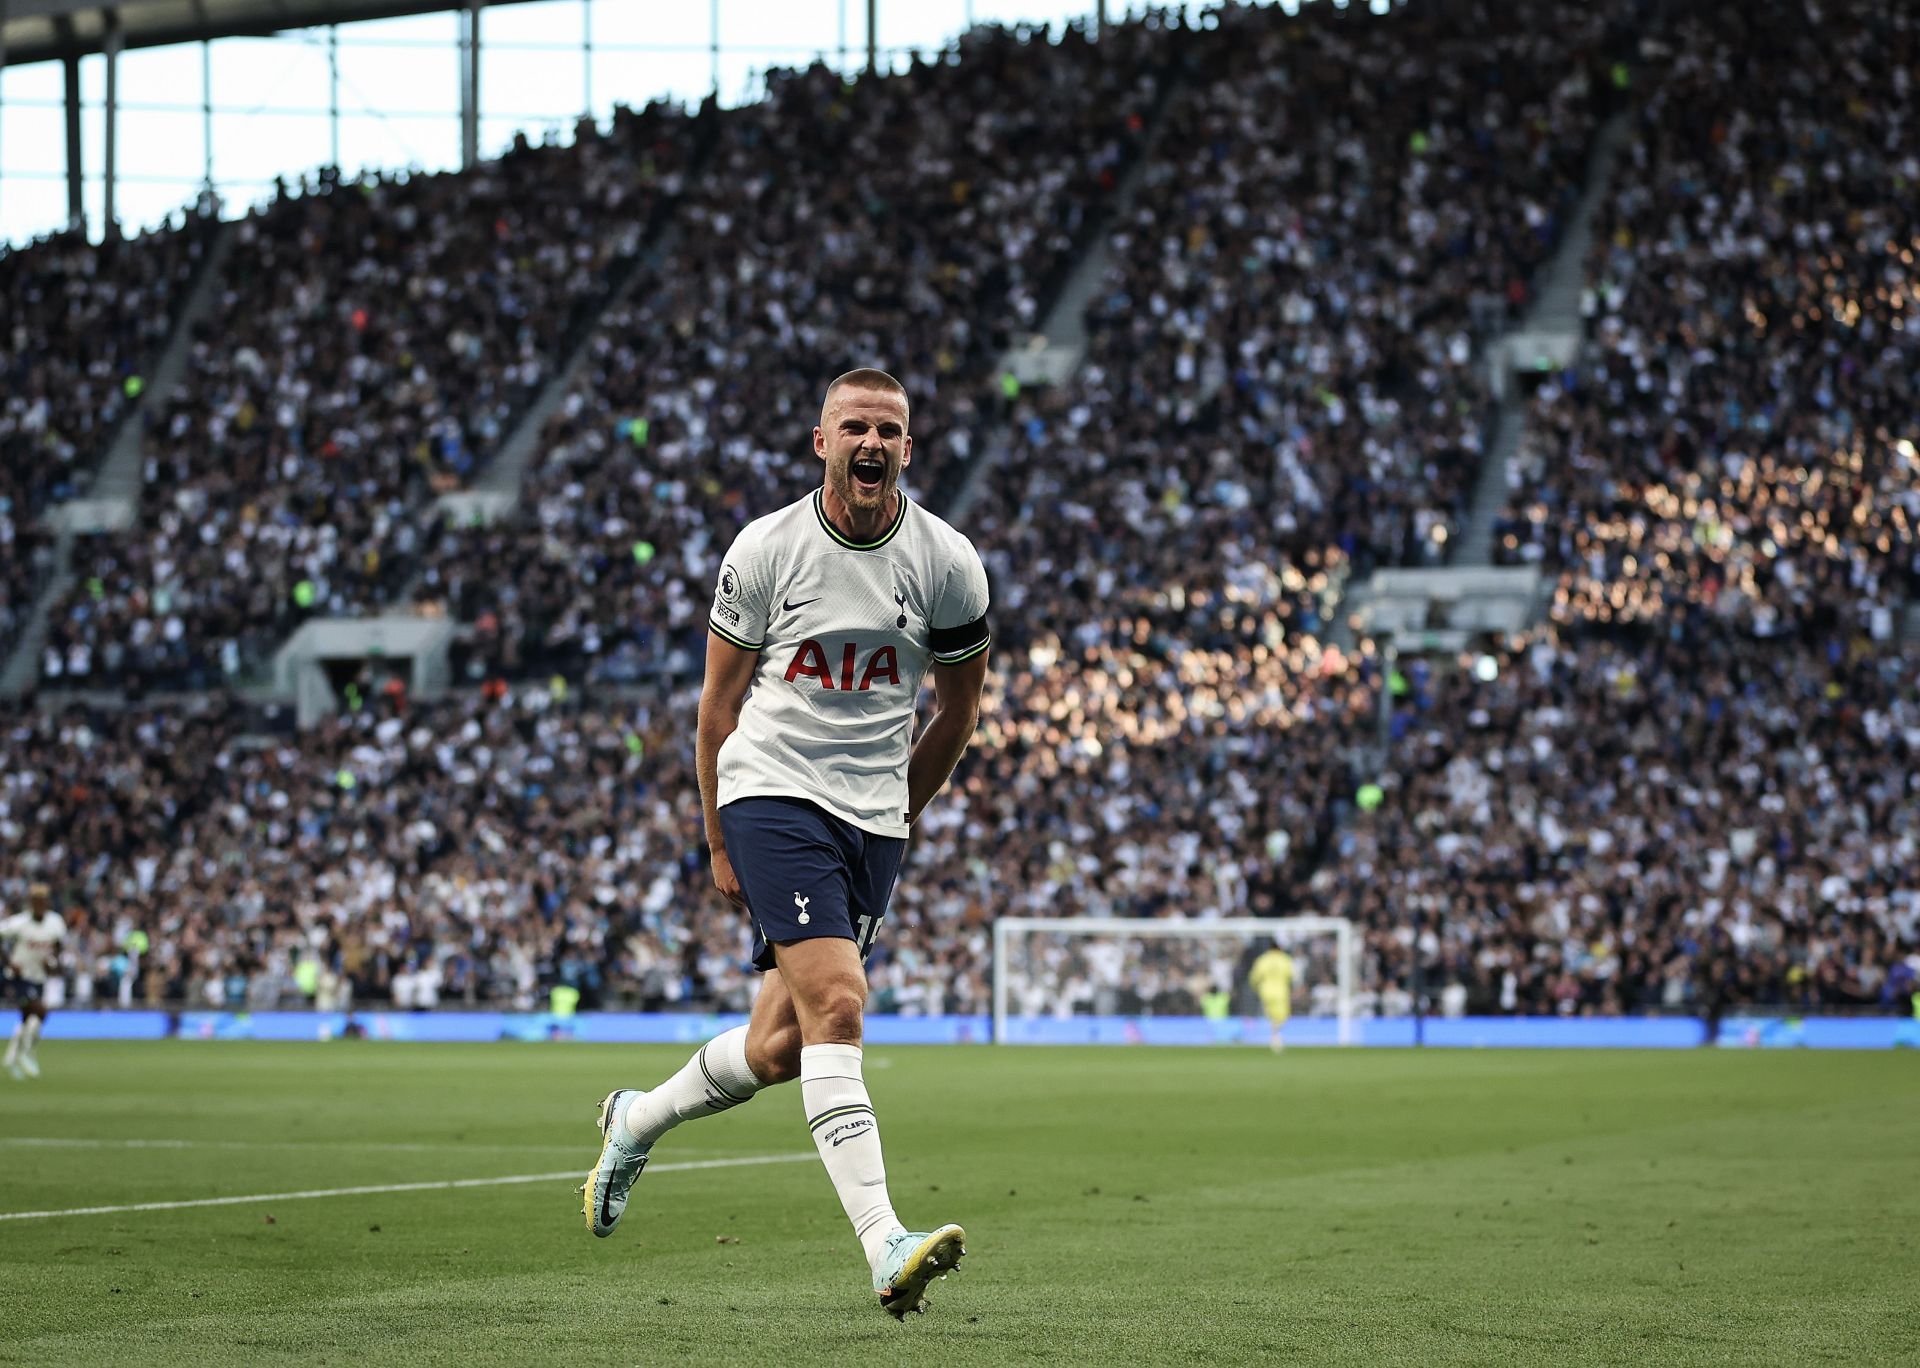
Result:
827,616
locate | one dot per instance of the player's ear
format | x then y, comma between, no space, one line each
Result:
906,453
820,442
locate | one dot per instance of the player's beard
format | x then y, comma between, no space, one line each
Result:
840,476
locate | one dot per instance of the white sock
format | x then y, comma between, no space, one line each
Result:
847,1135
13,1042
716,1078
29,1036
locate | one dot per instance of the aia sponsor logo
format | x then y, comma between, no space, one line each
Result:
815,661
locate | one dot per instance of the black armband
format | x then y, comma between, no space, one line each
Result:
951,645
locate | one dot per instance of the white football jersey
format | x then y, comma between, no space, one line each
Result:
31,941
845,631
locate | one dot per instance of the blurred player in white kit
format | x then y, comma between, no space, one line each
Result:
29,943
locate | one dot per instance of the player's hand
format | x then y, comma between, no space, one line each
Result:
726,880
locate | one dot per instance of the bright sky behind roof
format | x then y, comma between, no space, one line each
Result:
399,90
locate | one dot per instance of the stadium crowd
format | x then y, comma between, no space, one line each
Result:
506,839
480,848
1736,445
83,327
1281,369
1624,823
1576,833
1627,810
375,341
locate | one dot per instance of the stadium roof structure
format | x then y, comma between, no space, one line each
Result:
46,30
68,30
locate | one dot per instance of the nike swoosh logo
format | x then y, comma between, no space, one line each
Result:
791,607
606,1198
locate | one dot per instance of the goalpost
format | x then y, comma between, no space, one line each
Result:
1137,980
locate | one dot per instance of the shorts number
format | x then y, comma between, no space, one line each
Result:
863,933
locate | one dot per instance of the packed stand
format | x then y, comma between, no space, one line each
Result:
373,345
837,224
1281,367
1641,822
1279,387
490,846
1133,776
480,850
83,327
1735,447
1575,824
1567,831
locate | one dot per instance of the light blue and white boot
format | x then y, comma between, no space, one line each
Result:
912,1259
604,1194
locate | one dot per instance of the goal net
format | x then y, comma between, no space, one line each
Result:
1092,980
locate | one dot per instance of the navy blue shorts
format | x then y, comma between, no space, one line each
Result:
20,991
808,874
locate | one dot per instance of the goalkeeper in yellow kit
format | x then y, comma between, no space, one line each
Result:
1272,978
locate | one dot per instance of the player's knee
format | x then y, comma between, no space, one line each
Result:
836,1015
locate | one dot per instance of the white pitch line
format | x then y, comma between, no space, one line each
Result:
377,1188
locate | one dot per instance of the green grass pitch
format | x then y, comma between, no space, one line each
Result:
1122,1206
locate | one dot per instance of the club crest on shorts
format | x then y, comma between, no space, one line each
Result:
801,903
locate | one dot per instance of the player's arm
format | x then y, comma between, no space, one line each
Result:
957,638
729,675
736,630
956,712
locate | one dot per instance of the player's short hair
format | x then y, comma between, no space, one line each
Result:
39,893
866,378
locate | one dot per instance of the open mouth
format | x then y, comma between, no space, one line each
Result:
869,473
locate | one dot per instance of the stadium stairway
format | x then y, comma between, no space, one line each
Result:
1549,336
1490,491
113,499
1052,355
